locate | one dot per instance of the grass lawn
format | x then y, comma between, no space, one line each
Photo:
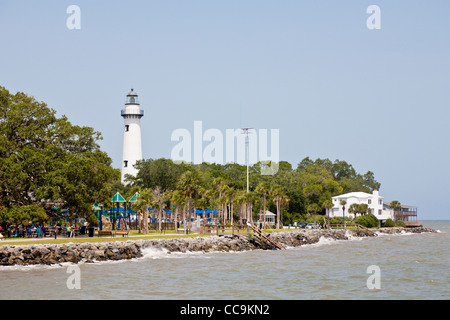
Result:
133,235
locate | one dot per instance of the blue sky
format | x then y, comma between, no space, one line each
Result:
378,99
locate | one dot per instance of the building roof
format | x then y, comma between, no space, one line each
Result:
355,195
268,213
132,93
404,206
118,198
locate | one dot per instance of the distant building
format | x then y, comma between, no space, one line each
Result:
377,206
407,214
373,200
270,218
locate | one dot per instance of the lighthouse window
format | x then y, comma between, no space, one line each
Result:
125,164
127,128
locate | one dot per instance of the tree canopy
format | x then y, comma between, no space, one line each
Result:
48,162
310,185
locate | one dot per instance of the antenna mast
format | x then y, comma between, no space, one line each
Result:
246,132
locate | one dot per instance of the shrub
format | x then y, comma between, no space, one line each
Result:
368,221
389,223
400,224
339,220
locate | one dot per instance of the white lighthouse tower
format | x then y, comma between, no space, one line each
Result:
132,146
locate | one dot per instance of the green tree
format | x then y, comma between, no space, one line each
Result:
263,189
354,208
177,199
141,206
313,208
46,159
188,184
158,200
395,205
343,203
328,204
277,193
363,208
153,173
22,215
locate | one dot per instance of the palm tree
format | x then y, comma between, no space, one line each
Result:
249,198
313,207
141,206
284,203
229,193
343,203
210,197
328,204
277,194
240,201
158,200
363,208
263,189
188,184
354,208
219,184
178,200
395,205
203,201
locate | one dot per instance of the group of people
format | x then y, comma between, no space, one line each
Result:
70,231
40,231
22,232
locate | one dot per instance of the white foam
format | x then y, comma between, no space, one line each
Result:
352,237
29,267
154,253
402,233
324,241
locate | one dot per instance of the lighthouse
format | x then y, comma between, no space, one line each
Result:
132,146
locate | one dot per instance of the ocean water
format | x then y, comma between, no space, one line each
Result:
407,266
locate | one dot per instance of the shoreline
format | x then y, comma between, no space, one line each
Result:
91,252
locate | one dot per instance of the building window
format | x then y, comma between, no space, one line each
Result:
127,127
380,201
379,212
369,201
125,164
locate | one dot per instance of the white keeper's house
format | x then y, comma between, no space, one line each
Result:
373,200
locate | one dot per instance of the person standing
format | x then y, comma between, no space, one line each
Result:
21,235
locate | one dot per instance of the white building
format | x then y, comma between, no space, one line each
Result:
132,146
270,218
374,201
